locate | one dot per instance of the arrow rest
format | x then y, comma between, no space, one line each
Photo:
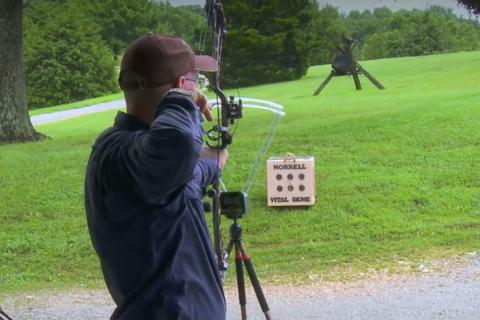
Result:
220,133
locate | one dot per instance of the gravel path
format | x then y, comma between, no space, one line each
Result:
453,292
72,113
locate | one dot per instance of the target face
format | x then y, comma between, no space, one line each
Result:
291,181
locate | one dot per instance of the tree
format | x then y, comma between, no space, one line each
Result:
324,34
471,5
187,22
414,33
15,123
363,25
65,57
122,21
265,41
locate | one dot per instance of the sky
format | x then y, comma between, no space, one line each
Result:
348,5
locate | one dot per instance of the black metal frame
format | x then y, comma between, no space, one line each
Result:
354,70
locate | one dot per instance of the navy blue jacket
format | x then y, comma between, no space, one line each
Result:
143,191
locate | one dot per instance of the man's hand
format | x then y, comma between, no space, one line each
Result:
220,155
202,102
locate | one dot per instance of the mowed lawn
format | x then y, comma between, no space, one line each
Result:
397,171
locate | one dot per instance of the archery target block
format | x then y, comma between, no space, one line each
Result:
291,181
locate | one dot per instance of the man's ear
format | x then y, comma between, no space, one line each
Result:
180,82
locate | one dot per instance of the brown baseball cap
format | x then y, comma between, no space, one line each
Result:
155,59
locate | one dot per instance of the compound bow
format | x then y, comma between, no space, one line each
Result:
229,110
220,134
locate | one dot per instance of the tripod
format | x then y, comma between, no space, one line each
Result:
242,257
4,316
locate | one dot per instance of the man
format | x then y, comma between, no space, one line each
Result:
144,184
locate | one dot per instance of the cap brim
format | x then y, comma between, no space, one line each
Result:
206,63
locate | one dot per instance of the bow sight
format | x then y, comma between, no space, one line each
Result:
234,110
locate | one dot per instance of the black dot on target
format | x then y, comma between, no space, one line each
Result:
290,176
301,176
290,188
301,187
279,188
279,177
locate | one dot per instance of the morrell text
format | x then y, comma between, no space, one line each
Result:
289,166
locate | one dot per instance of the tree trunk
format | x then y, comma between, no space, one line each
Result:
15,122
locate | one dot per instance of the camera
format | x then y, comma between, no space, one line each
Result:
234,204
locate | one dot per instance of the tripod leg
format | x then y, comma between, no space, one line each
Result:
3,315
255,283
324,83
370,77
217,233
240,282
358,86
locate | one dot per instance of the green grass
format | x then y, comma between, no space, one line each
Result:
78,104
398,178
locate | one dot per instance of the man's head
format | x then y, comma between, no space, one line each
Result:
152,65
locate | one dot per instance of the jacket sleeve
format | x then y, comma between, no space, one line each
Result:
158,161
206,172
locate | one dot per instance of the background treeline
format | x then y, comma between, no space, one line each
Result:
384,34
73,47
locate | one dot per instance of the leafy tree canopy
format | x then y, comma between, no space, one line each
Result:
472,5
413,33
122,21
65,57
265,41
72,46
324,34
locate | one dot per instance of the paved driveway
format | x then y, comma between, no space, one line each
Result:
72,113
